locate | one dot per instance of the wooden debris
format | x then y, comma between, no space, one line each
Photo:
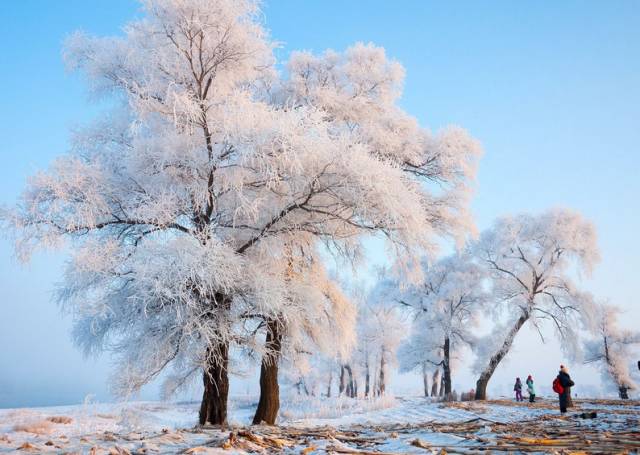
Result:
548,432
419,443
27,446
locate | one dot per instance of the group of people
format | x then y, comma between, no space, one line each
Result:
530,389
561,385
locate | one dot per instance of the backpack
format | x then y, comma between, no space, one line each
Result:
557,386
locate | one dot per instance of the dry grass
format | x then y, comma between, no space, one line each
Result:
42,426
60,419
35,427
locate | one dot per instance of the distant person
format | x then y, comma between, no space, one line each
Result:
518,389
562,386
531,389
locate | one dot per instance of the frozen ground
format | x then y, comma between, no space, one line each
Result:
400,425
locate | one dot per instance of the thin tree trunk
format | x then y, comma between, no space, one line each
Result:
213,409
382,386
376,382
330,381
350,384
623,392
446,368
435,382
341,387
269,402
425,379
367,380
485,376
442,386
569,399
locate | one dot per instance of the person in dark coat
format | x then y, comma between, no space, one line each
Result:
567,383
517,388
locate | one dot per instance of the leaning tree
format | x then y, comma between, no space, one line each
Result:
205,164
531,261
611,348
446,307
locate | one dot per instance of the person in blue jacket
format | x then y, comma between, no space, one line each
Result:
531,389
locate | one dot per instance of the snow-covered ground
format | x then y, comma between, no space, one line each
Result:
392,425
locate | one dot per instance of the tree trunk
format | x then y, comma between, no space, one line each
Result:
269,402
425,379
446,368
213,409
330,381
485,376
623,392
367,380
569,399
435,382
442,386
382,384
350,391
342,384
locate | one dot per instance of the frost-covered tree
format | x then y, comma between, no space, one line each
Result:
611,348
316,321
422,351
357,92
179,201
381,329
531,261
311,374
446,308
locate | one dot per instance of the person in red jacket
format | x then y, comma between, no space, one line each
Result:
566,383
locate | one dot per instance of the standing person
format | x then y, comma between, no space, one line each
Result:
518,389
564,381
531,389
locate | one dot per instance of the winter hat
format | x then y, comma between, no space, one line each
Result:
529,377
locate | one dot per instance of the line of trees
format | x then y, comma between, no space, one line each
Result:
521,271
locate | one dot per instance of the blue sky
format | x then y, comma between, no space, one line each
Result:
551,89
